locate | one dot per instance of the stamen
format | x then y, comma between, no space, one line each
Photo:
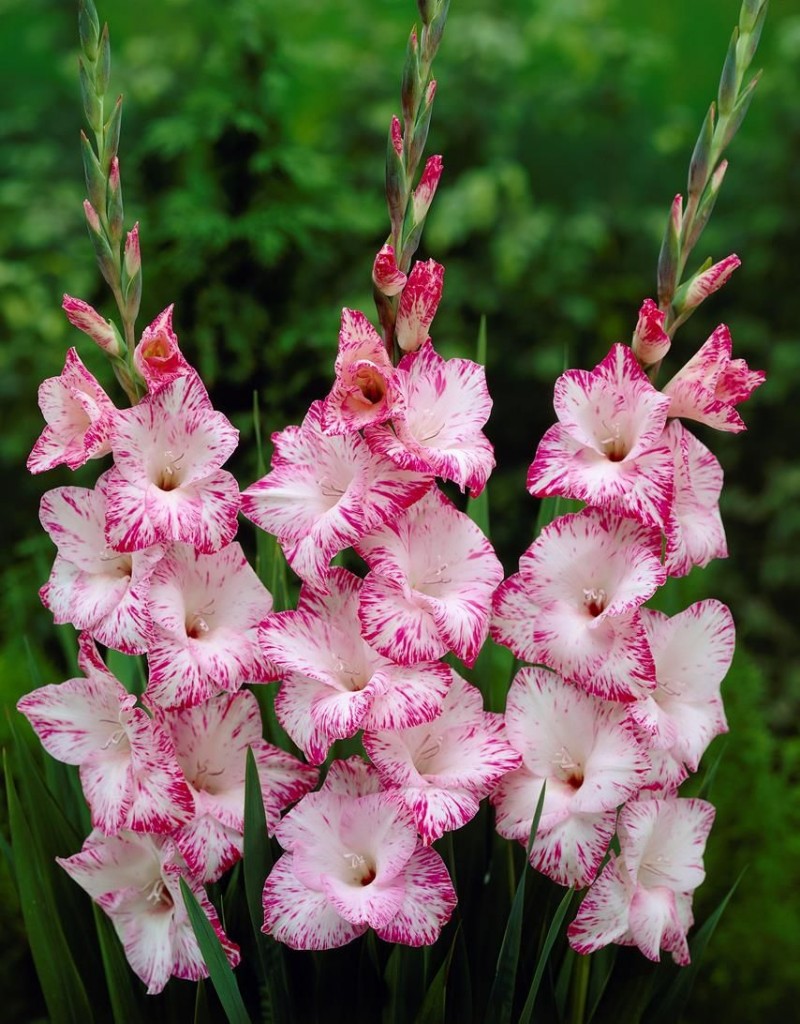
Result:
595,600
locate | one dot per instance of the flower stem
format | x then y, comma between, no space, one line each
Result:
579,989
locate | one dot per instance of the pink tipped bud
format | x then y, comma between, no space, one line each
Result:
650,341
423,194
83,316
677,213
113,175
133,256
418,304
710,280
386,275
91,217
158,357
413,39
397,135
430,92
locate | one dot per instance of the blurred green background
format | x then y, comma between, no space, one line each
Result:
252,156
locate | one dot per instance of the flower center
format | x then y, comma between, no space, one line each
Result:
202,778
427,753
614,447
370,383
158,895
168,477
595,599
568,770
363,869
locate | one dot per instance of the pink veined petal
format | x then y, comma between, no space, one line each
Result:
107,783
662,841
436,811
79,417
373,904
571,852
654,923
363,371
352,777
514,613
161,798
208,846
111,864
325,493
429,901
444,572
293,703
407,695
439,407
300,917
157,356
188,962
396,624
603,915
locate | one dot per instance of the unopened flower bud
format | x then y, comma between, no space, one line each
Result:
91,218
650,341
396,135
427,9
114,210
133,256
410,88
386,275
706,282
423,194
83,316
418,304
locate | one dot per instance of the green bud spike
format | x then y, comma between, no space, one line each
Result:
111,131
103,71
729,81
395,186
94,175
92,107
668,260
740,110
133,296
88,28
115,213
435,32
427,9
748,15
706,206
748,44
699,165
419,138
106,260
411,87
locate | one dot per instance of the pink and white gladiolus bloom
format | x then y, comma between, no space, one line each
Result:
158,357
363,371
418,304
79,417
166,485
643,896
438,409
129,773
607,448
326,493
431,582
695,534
441,771
711,384
211,743
91,586
135,879
206,610
354,861
588,755
692,652
574,605
334,682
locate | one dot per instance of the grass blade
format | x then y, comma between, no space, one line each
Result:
552,934
219,969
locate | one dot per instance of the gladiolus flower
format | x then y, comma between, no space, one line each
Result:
158,357
83,316
418,304
650,341
363,371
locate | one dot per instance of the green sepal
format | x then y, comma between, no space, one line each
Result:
728,83
219,970
668,260
93,175
395,184
421,128
427,10
103,69
92,107
410,88
700,164
133,295
88,28
111,131
436,31
749,40
115,214
740,110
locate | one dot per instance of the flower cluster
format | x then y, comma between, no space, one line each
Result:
147,564
624,700
361,656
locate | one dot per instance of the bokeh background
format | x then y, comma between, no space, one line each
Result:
252,156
